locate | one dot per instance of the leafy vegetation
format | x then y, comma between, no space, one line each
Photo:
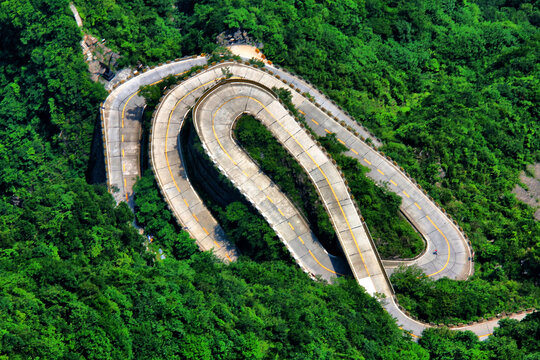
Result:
158,222
512,340
453,302
450,87
47,107
144,32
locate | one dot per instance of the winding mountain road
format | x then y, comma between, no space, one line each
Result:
220,94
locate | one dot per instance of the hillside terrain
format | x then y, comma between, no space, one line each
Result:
451,88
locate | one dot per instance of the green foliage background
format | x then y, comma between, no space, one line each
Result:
450,86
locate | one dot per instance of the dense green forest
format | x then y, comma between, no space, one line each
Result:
450,86
453,302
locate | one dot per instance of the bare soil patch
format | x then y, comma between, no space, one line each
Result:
529,191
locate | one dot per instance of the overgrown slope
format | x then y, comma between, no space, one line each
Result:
447,84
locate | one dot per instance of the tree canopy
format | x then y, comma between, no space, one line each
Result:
451,87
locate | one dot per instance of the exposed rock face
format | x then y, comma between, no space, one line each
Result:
100,59
236,37
123,74
530,194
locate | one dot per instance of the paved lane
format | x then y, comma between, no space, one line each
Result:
121,114
453,258
219,104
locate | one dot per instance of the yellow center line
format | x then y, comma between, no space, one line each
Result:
215,242
195,217
341,141
380,171
367,161
124,108
324,267
485,335
301,112
292,227
393,182
408,332
167,133
245,174
125,186
135,93
123,116
316,123
354,151
407,195
329,185
167,157
418,206
206,231
301,240
328,131
447,245
268,197
281,212
312,159
215,134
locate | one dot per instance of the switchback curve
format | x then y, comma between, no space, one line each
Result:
176,189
